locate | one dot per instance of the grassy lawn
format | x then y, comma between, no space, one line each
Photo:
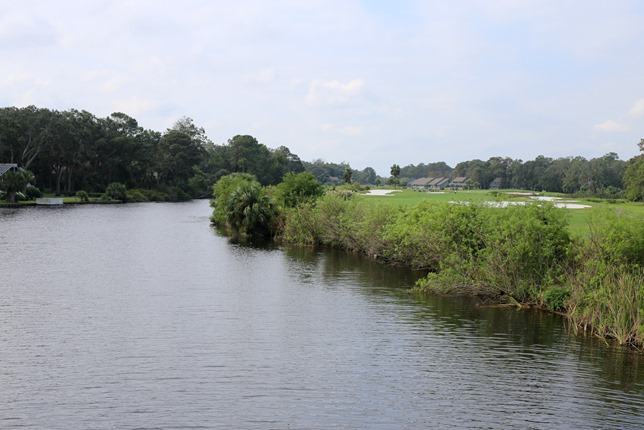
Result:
66,200
578,217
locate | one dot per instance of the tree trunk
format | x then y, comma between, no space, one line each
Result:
59,176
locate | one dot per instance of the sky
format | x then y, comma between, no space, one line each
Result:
370,83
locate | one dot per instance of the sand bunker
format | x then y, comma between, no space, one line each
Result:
561,205
381,192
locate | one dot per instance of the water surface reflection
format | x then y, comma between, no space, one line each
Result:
142,316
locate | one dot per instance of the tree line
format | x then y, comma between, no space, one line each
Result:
602,176
74,150
606,176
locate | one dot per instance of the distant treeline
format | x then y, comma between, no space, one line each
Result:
598,176
605,176
74,150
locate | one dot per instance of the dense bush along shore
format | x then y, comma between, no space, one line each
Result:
521,254
518,254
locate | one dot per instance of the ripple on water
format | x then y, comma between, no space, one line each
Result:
141,316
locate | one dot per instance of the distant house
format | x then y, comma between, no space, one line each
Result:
8,167
438,183
496,184
420,183
459,183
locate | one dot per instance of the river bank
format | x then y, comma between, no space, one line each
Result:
516,254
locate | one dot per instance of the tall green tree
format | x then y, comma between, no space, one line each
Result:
282,161
575,177
395,170
606,171
21,134
346,175
177,155
634,176
197,134
115,151
59,149
365,176
247,154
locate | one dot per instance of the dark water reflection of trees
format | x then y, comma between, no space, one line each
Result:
528,329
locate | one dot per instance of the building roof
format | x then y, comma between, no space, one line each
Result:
421,181
442,181
5,167
438,181
496,183
459,180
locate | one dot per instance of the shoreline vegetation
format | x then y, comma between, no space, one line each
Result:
506,247
521,254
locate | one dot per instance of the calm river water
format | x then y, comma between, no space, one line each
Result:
142,317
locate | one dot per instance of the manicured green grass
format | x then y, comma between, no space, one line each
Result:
411,197
578,220
4,203
66,200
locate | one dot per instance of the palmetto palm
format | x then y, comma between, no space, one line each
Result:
250,210
14,182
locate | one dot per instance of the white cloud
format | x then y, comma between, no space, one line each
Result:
638,108
333,93
609,126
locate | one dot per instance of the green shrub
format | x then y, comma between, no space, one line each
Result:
525,250
33,193
298,188
250,211
116,191
299,225
82,196
222,190
556,298
176,194
136,195
371,224
515,252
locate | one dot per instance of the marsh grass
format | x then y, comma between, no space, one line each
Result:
615,309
